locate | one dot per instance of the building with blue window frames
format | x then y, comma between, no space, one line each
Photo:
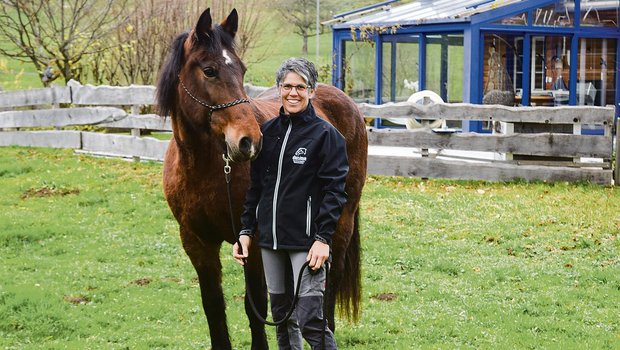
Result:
538,52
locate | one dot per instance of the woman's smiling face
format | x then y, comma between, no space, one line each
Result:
295,93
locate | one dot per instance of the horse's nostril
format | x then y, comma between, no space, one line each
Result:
245,144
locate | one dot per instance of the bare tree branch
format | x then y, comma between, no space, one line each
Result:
142,44
57,33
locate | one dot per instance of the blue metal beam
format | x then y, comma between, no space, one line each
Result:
422,63
378,74
526,67
594,32
572,74
577,22
339,39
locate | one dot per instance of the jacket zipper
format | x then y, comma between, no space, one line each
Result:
275,191
308,215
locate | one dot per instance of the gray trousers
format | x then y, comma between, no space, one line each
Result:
282,272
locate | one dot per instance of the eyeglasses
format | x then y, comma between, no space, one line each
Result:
289,87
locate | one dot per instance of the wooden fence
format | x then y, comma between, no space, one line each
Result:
543,155
45,117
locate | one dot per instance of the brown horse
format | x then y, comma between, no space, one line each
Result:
201,88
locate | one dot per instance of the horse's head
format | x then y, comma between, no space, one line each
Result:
201,87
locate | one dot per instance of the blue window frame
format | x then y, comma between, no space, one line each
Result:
522,19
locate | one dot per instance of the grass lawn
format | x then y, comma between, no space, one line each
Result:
91,259
17,75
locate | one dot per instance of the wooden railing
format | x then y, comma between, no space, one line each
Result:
43,117
103,106
541,155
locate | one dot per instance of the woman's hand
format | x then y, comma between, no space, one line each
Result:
240,256
318,254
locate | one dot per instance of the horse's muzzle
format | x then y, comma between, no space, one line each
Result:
246,149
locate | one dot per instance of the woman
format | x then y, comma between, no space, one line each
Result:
294,201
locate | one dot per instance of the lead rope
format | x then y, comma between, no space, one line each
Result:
227,176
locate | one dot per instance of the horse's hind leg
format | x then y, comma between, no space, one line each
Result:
258,289
205,257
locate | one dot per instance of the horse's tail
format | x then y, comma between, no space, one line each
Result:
349,293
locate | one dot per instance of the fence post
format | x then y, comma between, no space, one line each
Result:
135,110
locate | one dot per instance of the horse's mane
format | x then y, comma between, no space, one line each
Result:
213,42
169,76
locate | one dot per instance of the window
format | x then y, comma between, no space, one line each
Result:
595,72
444,66
359,71
502,67
538,71
560,14
599,13
520,19
400,80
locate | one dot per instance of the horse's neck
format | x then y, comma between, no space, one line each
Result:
196,150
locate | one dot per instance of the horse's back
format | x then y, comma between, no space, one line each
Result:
340,110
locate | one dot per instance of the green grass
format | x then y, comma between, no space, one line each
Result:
17,75
91,259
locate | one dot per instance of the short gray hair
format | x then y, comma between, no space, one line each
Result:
301,66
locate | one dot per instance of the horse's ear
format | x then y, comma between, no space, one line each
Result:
230,25
203,27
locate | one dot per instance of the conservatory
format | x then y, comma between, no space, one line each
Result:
530,52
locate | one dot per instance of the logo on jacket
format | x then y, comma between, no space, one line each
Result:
300,156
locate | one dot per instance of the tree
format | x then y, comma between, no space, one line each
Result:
55,35
301,16
138,48
142,44
253,20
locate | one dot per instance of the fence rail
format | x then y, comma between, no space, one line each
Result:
500,156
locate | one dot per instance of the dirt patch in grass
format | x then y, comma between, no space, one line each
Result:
385,296
76,299
142,281
47,191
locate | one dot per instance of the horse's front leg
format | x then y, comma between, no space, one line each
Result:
257,288
205,256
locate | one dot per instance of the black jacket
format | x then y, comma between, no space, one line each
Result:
297,185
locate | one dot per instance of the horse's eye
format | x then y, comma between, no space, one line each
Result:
210,72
